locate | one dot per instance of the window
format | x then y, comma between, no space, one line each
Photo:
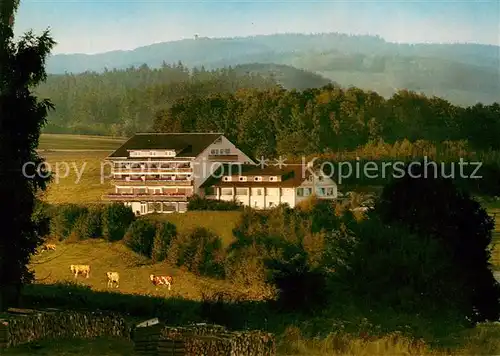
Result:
168,207
320,178
154,207
304,192
257,179
226,179
243,179
226,191
258,191
329,191
214,152
241,191
321,191
227,151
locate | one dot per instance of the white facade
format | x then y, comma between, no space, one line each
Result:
263,195
158,180
212,157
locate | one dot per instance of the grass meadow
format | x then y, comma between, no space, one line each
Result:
77,177
79,142
52,267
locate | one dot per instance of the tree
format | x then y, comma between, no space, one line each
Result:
22,115
434,207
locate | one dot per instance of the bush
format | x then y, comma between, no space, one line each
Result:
41,217
434,208
116,219
94,221
198,203
300,287
165,232
391,267
64,219
200,251
140,237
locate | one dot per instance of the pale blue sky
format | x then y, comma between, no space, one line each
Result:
85,26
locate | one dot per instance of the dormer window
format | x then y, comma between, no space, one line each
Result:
257,179
226,179
243,179
273,179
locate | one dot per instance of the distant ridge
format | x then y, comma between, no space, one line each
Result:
462,73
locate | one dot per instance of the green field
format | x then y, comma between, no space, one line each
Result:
79,142
77,177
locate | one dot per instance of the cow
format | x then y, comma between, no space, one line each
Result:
161,281
48,247
113,278
80,269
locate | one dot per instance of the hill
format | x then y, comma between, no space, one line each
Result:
287,76
463,73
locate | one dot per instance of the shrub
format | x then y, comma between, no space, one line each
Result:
41,217
300,287
140,236
200,251
94,221
64,219
198,203
116,219
432,207
165,232
391,267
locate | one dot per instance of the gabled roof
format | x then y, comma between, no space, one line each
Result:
185,144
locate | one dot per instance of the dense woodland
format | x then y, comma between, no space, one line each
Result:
272,122
123,102
257,113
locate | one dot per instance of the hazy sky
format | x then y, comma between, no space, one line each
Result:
86,26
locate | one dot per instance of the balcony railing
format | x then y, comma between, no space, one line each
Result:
152,181
152,169
147,196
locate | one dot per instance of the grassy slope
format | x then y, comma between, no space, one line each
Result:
53,266
79,142
66,188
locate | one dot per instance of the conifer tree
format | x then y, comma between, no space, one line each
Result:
22,115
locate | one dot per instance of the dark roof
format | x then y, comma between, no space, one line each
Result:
291,176
185,144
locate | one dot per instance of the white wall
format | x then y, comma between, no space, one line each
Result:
202,167
288,196
318,183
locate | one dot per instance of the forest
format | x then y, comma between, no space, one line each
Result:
257,112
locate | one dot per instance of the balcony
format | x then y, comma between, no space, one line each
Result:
151,181
173,169
174,197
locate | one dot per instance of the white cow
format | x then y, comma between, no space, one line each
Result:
113,278
80,269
